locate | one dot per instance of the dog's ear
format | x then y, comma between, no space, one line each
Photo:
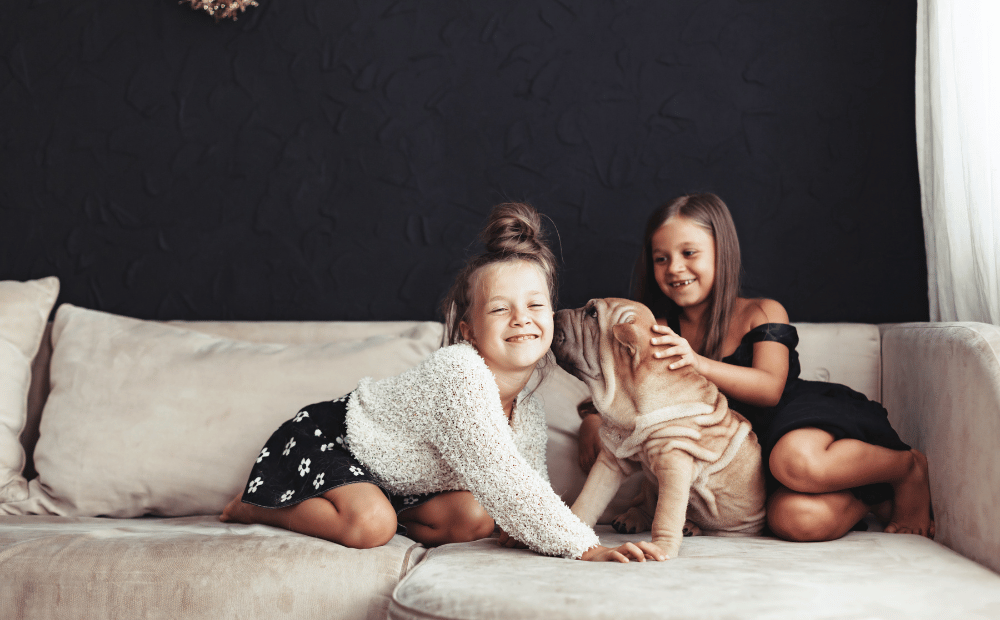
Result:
627,338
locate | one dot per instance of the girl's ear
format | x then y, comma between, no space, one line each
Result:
466,330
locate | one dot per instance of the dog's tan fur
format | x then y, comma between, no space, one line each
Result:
701,460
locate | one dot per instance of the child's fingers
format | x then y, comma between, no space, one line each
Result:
677,351
635,552
681,363
662,329
665,340
652,551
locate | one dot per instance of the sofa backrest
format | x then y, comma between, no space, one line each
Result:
847,353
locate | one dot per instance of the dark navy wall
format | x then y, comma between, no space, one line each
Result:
325,159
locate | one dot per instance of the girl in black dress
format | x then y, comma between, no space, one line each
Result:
830,454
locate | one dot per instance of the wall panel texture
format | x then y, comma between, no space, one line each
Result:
328,159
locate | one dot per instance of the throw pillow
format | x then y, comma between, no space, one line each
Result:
24,312
150,418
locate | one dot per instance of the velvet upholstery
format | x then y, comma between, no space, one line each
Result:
864,575
942,391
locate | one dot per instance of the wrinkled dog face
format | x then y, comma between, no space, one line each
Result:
596,342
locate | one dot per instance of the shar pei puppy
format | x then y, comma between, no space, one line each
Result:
701,460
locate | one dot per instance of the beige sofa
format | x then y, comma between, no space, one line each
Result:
136,433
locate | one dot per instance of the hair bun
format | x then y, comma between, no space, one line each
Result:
514,228
513,232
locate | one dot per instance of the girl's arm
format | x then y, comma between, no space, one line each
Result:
763,383
472,436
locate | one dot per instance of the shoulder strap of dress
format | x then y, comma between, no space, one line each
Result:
773,332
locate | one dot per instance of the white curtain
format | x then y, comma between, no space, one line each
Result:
958,153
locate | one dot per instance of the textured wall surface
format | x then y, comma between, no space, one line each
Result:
326,159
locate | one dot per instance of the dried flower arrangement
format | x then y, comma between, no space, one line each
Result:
221,9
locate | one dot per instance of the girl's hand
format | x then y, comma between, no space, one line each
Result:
510,543
589,441
677,346
640,552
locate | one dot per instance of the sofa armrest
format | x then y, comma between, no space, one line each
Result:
941,386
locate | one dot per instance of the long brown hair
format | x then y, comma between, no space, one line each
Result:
709,212
513,232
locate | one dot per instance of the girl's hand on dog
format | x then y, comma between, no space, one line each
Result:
677,346
640,552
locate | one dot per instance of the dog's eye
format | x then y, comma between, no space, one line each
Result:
591,311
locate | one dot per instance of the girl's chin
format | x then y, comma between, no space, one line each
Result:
684,300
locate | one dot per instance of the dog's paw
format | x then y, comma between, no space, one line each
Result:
632,521
691,529
621,528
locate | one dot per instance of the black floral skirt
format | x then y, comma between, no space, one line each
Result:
307,456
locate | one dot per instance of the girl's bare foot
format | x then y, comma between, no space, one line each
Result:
235,511
911,511
883,512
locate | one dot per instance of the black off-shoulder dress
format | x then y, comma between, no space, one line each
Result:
834,408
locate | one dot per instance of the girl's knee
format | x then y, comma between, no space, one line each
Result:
797,467
803,518
368,527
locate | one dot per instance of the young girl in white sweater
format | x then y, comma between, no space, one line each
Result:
449,449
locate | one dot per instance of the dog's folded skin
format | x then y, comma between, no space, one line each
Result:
724,500
701,460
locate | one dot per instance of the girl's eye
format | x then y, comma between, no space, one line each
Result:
659,259
495,310
690,253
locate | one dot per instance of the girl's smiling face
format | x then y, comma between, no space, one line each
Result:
683,255
510,321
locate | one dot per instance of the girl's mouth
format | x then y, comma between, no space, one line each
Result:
522,338
681,283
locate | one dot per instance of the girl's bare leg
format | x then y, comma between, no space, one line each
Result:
808,460
454,516
807,517
354,515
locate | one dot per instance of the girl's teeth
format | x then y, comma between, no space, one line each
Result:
685,282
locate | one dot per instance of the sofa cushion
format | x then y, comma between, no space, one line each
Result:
269,332
863,575
24,311
189,567
149,418
845,353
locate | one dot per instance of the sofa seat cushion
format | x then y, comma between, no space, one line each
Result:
189,567
863,575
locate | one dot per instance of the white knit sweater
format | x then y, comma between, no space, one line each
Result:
440,426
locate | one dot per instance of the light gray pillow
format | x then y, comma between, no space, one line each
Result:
150,418
24,311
